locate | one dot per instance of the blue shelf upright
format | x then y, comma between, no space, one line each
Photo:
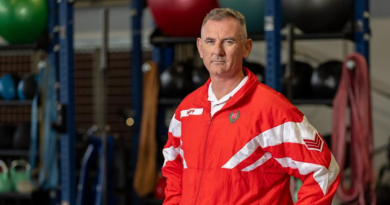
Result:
52,53
362,28
66,98
272,24
136,7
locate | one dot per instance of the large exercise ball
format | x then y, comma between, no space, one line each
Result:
300,80
199,77
257,69
181,18
253,10
318,15
175,81
325,79
27,87
8,83
22,21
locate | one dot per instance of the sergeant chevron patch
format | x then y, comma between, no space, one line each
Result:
314,144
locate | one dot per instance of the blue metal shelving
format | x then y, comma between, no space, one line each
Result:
272,26
273,38
66,97
136,7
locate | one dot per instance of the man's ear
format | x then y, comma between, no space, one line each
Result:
247,47
200,48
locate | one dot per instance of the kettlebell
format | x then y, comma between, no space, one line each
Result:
20,176
5,182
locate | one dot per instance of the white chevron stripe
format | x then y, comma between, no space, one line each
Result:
259,162
175,127
170,154
288,132
323,176
182,155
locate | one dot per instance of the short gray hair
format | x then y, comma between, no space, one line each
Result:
219,14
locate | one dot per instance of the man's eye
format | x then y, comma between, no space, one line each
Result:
209,42
229,42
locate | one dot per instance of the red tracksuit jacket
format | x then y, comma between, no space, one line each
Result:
246,152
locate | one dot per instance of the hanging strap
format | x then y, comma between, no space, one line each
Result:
48,163
354,93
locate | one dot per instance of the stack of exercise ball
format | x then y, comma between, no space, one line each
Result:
12,87
300,80
312,16
183,77
325,79
200,75
175,81
253,10
257,69
22,21
180,18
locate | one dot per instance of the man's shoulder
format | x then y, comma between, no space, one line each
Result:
269,99
196,96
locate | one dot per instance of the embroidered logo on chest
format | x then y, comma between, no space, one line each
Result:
192,111
233,116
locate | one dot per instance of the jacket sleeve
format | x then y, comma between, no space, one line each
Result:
303,153
173,166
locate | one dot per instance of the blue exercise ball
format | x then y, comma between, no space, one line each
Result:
8,84
253,10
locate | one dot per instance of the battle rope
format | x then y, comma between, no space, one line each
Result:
354,93
146,170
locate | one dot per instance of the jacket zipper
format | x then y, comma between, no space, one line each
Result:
204,158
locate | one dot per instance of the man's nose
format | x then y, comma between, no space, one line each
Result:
218,49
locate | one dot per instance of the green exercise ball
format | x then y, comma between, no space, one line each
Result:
22,21
253,10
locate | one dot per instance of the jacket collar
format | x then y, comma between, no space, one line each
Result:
250,85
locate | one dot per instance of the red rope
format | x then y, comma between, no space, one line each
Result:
354,93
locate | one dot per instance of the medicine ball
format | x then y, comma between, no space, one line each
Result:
8,83
325,79
175,81
300,81
200,75
181,18
22,21
257,69
27,87
6,136
318,15
22,136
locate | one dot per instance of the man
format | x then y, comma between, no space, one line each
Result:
236,141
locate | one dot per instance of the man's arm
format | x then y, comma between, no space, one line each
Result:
304,154
173,165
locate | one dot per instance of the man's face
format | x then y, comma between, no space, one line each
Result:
222,47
